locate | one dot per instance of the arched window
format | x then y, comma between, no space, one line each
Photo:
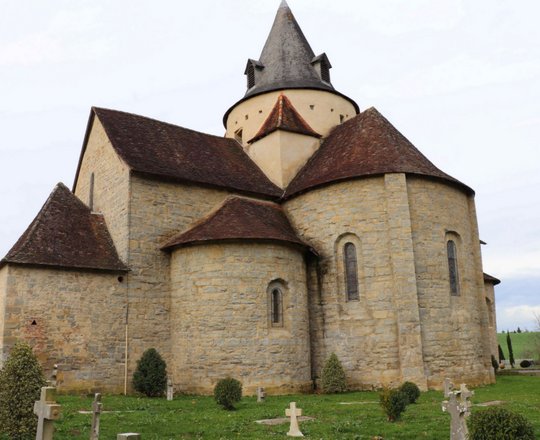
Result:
453,274
276,307
351,271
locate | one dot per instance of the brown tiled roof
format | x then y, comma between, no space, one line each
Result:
365,145
240,219
66,234
490,279
284,117
170,152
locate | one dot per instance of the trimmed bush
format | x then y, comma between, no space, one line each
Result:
411,390
227,392
499,424
525,363
150,377
393,403
333,378
21,380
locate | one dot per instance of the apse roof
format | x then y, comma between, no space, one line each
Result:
240,219
66,234
284,117
365,145
168,151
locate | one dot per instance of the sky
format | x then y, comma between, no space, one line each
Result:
460,79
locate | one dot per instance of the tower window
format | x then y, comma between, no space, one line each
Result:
91,193
238,135
325,72
351,271
276,307
250,76
341,119
452,267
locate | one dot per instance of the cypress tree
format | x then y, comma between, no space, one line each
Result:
501,354
510,351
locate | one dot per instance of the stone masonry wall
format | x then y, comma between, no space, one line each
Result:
3,284
158,211
72,318
220,317
364,333
489,291
111,186
453,327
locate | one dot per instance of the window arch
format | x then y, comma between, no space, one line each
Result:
275,292
350,263
453,274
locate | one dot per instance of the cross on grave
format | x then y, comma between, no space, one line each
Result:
47,411
261,395
293,413
170,389
96,412
458,406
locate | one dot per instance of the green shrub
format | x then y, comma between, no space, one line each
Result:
150,377
411,390
333,377
525,363
501,354
393,403
227,392
494,363
499,424
510,350
21,380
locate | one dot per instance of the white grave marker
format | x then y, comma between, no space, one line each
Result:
170,389
458,406
293,413
47,411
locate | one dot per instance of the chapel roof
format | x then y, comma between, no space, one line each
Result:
366,145
67,234
284,117
287,61
171,152
491,279
240,218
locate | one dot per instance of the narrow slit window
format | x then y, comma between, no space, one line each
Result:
452,267
238,135
91,192
351,271
250,76
325,72
276,302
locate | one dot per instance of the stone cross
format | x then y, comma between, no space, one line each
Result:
96,412
129,436
261,395
47,411
170,389
293,412
458,406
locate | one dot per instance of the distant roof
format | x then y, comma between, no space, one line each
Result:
66,234
171,152
490,279
284,117
240,218
365,145
287,61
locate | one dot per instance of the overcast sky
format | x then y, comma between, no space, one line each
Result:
460,79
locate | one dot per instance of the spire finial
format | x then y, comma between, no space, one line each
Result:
283,4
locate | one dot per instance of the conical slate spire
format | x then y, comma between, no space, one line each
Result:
287,60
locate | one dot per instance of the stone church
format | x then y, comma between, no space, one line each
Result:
311,227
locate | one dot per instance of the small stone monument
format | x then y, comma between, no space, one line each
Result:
129,436
54,376
293,413
47,411
458,406
170,389
96,413
261,394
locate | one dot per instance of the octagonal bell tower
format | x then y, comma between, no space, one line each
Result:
290,102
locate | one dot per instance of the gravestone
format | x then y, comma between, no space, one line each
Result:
128,436
458,406
170,389
293,413
261,394
47,411
96,413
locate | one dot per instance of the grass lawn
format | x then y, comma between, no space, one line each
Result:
196,417
524,345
